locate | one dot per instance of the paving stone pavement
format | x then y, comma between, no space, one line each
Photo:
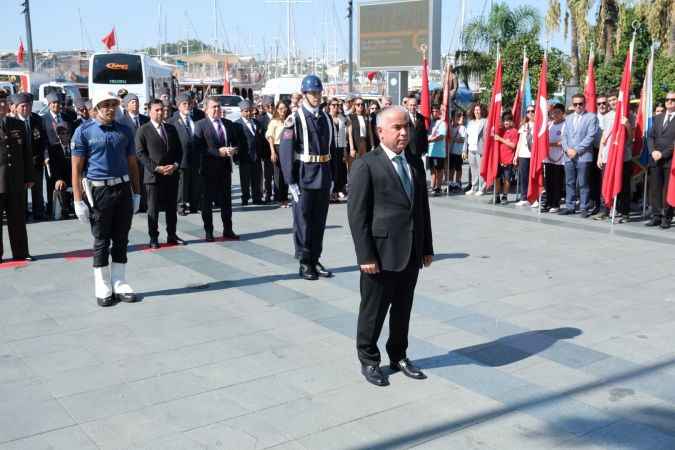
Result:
536,331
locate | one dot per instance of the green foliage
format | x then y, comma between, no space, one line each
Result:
501,26
664,76
512,57
179,47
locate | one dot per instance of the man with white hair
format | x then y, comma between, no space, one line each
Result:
104,157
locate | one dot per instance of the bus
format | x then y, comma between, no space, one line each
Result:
23,80
138,73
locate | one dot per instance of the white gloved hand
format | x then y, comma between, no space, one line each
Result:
332,186
136,201
295,192
82,211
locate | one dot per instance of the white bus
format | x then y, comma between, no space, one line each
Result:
137,73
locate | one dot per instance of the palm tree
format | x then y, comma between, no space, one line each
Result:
502,25
660,18
607,20
576,13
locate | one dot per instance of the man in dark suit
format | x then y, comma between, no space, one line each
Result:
267,166
50,121
661,139
389,218
418,138
158,147
188,185
132,117
216,140
16,174
250,167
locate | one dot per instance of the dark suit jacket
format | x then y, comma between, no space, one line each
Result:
49,126
39,140
16,162
207,143
126,120
385,226
419,139
60,164
662,140
152,151
255,145
190,158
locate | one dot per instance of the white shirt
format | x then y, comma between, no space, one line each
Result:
522,149
217,123
555,150
310,108
473,130
250,125
186,120
158,129
391,155
362,126
667,118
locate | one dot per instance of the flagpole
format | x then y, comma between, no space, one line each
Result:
614,209
644,197
494,183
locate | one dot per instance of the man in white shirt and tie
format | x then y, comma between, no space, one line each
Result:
188,186
250,167
661,139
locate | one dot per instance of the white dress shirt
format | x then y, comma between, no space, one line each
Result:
391,155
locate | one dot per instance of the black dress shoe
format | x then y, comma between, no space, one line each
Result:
322,271
585,214
105,302
565,212
653,222
182,212
257,202
209,237
154,244
28,258
126,298
374,375
244,203
175,240
665,223
408,369
308,272
231,235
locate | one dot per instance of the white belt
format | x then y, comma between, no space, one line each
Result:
110,182
313,158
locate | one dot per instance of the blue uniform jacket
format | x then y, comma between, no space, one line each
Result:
306,175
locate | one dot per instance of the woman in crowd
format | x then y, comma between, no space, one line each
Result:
436,157
337,160
359,131
522,158
457,149
374,108
273,136
474,140
554,170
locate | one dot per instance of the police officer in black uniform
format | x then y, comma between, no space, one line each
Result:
304,154
16,175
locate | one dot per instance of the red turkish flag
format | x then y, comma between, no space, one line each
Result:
21,54
425,106
612,180
227,89
109,39
490,160
589,89
540,142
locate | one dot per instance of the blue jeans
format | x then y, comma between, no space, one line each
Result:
576,173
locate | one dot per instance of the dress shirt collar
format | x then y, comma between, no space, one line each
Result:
310,109
155,124
390,153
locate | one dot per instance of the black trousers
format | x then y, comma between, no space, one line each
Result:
250,177
554,182
382,292
110,223
338,170
280,185
14,205
36,192
658,188
309,224
144,195
218,190
268,178
162,195
189,189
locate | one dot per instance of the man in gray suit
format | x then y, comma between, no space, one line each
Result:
580,132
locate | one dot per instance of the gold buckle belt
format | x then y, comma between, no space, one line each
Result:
314,158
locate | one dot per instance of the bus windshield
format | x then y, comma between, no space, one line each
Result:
117,68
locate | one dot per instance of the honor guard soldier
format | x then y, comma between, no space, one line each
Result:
304,154
105,170
16,175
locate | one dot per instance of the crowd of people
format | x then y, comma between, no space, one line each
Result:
181,184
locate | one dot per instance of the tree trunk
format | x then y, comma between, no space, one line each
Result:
574,51
610,26
671,32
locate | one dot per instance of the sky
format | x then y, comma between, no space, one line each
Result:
251,26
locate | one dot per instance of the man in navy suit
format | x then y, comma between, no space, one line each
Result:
661,140
217,141
189,184
581,129
250,167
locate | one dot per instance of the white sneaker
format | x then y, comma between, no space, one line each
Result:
521,203
469,193
479,193
534,205
554,210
